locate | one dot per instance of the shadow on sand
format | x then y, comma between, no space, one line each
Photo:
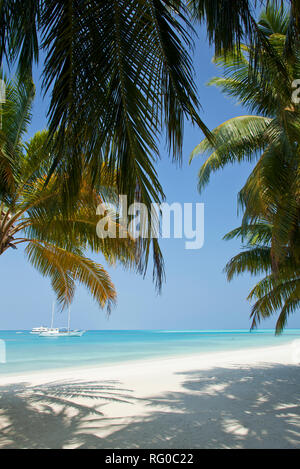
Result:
220,408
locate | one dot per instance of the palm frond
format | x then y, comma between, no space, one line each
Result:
277,292
235,140
254,261
66,267
274,295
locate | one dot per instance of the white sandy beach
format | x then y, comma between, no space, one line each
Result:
240,399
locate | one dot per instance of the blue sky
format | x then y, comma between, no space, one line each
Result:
196,294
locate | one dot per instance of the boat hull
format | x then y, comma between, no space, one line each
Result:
62,334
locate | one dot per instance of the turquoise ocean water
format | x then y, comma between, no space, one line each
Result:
27,353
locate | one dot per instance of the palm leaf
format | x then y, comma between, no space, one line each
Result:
66,267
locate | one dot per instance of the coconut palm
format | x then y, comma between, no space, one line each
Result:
33,213
15,114
120,73
229,23
271,137
276,292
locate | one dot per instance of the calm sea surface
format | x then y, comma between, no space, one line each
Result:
26,352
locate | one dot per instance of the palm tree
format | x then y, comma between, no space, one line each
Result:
120,74
271,138
277,291
33,213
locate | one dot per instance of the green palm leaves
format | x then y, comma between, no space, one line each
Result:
280,289
238,139
15,118
33,213
271,139
120,74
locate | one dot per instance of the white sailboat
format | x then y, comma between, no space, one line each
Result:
56,332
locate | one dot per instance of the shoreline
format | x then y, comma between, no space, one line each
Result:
70,367
182,362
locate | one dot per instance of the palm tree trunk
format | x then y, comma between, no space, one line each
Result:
6,238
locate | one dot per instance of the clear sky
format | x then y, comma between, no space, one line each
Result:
196,294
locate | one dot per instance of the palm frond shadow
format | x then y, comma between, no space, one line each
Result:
57,414
244,407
